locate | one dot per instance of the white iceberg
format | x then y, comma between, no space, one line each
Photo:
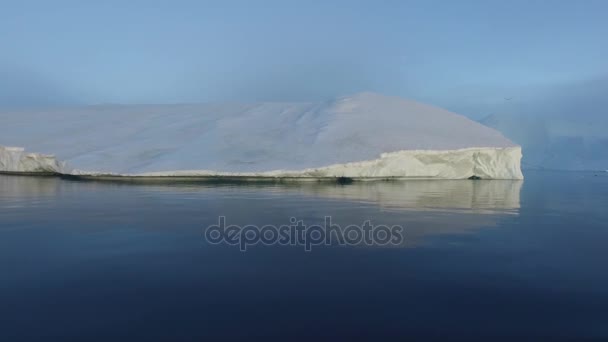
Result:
15,159
361,136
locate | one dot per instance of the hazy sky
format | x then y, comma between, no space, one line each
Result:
460,54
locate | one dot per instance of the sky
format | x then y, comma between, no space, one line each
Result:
467,56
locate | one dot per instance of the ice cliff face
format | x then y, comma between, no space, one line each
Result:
364,135
14,159
486,163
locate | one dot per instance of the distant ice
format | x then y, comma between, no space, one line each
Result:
364,135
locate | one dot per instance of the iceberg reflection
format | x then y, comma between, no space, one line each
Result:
422,207
444,195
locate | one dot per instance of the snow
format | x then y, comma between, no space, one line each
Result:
364,135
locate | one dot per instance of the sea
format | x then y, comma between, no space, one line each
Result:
463,260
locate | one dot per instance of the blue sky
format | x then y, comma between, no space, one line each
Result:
464,55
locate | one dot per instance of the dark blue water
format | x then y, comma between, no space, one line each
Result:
481,260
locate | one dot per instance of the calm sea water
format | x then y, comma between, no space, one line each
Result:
481,260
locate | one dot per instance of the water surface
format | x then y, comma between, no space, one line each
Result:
481,260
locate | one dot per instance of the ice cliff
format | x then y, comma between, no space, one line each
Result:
364,135
14,159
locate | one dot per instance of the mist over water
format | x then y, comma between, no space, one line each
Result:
564,127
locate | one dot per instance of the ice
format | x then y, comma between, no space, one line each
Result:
363,135
14,159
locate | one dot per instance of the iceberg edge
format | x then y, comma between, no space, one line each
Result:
477,162
16,160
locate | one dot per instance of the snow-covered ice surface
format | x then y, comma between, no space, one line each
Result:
364,135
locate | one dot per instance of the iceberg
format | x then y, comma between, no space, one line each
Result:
364,136
14,159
